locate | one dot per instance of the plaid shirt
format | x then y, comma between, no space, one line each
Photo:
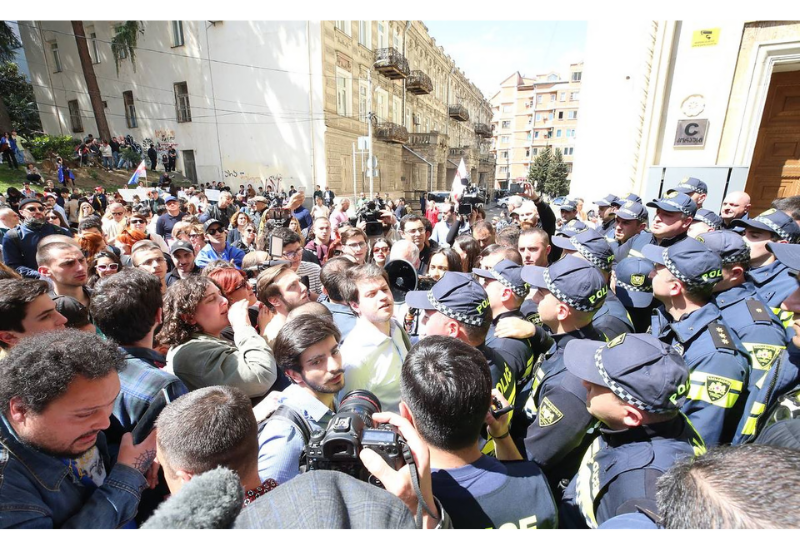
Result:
140,382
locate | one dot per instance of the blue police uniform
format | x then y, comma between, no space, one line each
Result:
775,282
634,245
556,438
621,468
612,318
607,229
718,369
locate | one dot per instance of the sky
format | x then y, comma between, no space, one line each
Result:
488,52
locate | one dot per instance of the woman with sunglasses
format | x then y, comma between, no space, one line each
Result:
104,264
86,210
54,217
138,222
380,251
248,240
195,314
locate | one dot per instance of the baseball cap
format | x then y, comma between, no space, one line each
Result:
169,198
25,202
569,206
632,210
775,221
787,254
98,188
673,201
571,280
508,274
640,369
690,185
633,285
728,245
181,245
211,222
689,260
608,200
591,245
632,197
455,295
709,218
76,313
572,227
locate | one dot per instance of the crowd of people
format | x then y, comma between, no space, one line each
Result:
541,369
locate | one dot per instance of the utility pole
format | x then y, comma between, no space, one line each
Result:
369,129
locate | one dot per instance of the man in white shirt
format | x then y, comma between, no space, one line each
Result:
373,359
442,228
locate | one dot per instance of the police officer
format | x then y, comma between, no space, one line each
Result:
611,319
569,293
633,287
631,197
683,281
674,215
695,188
569,210
772,279
635,386
506,291
703,222
457,306
632,218
606,209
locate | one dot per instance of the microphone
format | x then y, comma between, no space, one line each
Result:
211,500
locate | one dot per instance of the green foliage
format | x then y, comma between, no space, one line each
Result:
550,173
63,146
8,43
540,169
123,44
17,94
94,175
130,155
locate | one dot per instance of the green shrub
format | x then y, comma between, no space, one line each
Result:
132,156
63,146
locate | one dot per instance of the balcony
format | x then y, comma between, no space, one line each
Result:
483,130
391,132
418,83
487,158
391,63
458,112
423,139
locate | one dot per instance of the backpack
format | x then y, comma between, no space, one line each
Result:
286,413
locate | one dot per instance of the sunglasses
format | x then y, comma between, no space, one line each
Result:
108,267
54,218
137,222
195,235
213,231
117,213
34,209
381,249
249,230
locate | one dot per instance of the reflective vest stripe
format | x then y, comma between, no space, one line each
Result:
717,390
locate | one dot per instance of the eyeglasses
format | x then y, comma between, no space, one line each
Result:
34,209
414,231
195,235
249,230
107,267
381,249
213,231
136,222
356,246
117,213
54,218
293,255
240,286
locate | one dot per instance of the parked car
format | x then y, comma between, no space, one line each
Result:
438,196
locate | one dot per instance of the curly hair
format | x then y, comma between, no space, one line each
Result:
41,368
181,300
91,244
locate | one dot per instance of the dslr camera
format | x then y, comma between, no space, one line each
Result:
349,432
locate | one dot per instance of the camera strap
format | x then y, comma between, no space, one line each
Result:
412,466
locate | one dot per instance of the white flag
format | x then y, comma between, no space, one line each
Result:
458,184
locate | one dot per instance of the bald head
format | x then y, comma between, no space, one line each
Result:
405,250
735,206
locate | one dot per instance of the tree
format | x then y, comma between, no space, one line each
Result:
9,43
540,170
17,94
557,184
91,81
124,42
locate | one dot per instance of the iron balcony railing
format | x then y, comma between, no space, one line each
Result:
391,63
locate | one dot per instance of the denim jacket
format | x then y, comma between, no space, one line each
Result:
37,490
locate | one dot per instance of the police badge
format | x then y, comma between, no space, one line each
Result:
717,388
638,280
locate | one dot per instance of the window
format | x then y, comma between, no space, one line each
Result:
504,154
123,53
344,98
343,26
558,133
382,105
572,115
130,109
409,120
527,152
538,117
383,36
504,169
56,57
508,108
570,133
75,116
563,96
396,41
365,34
569,168
182,110
505,139
552,97
539,99
568,150
362,100
506,124
177,34
536,134
534,151
397,110
561,115
91,39
573,96
576,77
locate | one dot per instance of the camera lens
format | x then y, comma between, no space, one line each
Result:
362,402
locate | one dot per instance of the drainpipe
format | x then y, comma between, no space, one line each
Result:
423,159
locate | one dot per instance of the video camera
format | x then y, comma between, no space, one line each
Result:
370,213
472,197
275,251
349,432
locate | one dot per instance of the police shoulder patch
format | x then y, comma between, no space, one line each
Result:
758,311
717,388
764,355
549,414
616,341
721,337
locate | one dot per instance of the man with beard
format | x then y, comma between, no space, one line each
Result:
281,289
307,350
19,244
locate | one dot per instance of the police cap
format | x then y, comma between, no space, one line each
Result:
689,260
507,273
591,245
775,221
674,201
633,285
690,185
631,210
728,245
571,280
455,295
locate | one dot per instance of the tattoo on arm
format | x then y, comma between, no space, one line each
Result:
144,461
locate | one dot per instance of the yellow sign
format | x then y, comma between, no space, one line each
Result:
705,37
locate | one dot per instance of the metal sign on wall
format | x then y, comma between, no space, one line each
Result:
691,133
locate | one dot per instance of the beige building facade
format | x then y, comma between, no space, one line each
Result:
426,115
531,114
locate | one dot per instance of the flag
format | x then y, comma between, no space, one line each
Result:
460,179
141,171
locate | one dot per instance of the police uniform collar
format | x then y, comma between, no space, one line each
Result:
514,313
669,429
694,323
669,241
761,275
607,224
734,295
586,333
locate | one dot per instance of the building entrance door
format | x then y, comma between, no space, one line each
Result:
189,166
775,169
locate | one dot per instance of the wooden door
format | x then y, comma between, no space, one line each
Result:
775,170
